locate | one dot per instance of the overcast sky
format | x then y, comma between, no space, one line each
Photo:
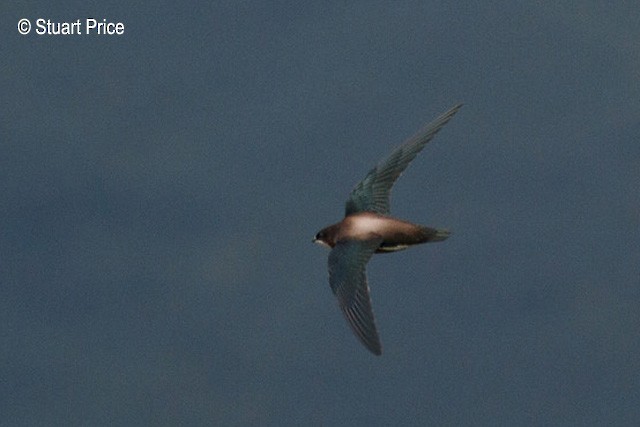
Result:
160,190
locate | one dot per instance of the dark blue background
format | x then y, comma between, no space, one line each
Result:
160,190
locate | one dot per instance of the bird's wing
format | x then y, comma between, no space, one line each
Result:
372,193
348,280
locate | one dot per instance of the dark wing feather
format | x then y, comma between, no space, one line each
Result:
348,280
372,193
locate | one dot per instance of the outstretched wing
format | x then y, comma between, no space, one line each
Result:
348,280
372,193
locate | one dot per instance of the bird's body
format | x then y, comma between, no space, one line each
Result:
368,228
396,234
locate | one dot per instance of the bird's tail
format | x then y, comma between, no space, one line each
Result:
435,234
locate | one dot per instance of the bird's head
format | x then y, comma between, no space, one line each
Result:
325,237
321,239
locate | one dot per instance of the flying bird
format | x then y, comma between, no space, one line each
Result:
368,228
